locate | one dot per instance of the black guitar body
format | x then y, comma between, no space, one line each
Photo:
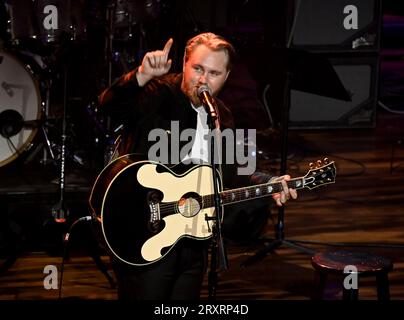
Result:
127,209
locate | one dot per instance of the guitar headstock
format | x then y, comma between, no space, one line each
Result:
321,172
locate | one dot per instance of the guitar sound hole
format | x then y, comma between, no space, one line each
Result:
189,205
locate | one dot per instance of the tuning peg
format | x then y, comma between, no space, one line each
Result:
311,165
319,163
326,161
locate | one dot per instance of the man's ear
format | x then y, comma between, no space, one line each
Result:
183,64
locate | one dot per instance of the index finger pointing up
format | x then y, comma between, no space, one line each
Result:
168,45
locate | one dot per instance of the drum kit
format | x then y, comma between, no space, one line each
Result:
33,30
34,33
41,46
37,40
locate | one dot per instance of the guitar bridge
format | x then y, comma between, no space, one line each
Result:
154,211
153,200
155,224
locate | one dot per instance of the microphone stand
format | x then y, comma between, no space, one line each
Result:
218,256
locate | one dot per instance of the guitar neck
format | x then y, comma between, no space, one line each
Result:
252,192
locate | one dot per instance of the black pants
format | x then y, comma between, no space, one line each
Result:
177,276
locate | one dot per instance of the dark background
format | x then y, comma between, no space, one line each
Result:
112,37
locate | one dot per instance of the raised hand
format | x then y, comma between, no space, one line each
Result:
154,64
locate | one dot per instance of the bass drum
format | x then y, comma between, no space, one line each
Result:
19,104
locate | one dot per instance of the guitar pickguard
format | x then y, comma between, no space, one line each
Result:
176,224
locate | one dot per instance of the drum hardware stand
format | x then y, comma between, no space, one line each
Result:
42,124
110,39
44,159
108,132
109,49
48,148
59,210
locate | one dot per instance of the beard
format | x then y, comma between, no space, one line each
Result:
191,91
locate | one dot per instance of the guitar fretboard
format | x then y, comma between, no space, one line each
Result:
313,179
249,193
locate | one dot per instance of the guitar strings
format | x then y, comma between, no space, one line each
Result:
207,201
240,194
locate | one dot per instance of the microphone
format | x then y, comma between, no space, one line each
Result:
205,95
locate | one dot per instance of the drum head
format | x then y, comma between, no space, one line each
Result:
19,102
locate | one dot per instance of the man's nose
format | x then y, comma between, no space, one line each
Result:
202,78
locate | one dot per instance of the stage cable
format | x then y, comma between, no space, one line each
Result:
65,249
385,107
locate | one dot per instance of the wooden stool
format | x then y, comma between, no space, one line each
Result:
366,264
